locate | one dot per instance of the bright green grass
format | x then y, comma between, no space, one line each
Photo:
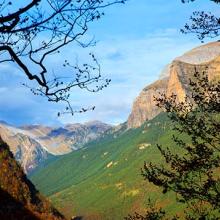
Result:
80,183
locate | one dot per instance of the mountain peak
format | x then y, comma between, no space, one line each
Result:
201,54
95,122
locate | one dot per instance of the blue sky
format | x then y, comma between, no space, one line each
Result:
135,42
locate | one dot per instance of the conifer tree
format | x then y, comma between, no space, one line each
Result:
192,171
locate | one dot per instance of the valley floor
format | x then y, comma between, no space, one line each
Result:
103,181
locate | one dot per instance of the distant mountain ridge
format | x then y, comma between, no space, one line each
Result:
175,79
32,144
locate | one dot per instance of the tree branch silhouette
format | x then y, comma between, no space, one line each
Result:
31,32
203,24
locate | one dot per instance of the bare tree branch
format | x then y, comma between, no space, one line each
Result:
41,28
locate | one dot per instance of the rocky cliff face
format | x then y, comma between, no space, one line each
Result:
175,79
144,107
32,144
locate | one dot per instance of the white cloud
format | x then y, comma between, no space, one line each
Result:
130,63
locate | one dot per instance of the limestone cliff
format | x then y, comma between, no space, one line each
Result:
175,79
144,107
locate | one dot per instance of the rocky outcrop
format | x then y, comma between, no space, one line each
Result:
27,151
175,80
32,144
144,107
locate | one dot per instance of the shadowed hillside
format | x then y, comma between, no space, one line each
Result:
18,197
